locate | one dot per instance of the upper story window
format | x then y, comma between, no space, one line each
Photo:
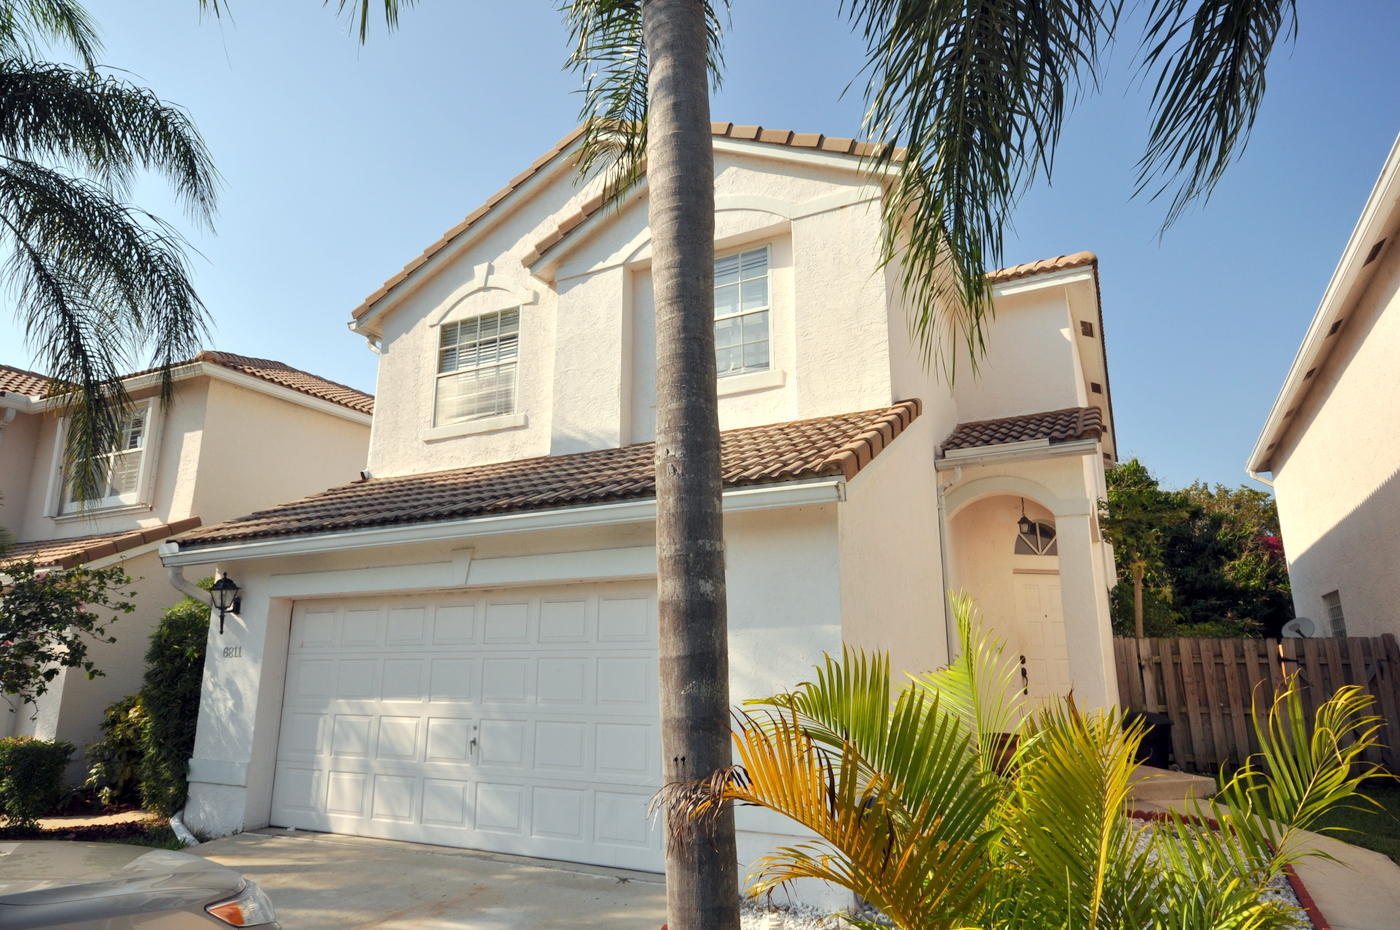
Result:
741,312
1336,623
121,473
1039,541
477,362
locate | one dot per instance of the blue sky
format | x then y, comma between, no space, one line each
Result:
341,162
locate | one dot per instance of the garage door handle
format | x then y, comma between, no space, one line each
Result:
472,745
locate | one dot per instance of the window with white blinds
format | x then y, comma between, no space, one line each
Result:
477,362
119,471
741,312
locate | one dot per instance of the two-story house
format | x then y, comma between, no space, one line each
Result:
237,433
461,649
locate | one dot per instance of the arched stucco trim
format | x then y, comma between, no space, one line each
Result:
481,282
1012,486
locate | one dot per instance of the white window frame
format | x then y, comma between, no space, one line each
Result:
767,250
454,425
1332,609
138,498
1041,546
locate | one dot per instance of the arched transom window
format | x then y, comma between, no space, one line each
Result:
1039,541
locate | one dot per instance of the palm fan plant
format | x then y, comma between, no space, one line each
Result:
98,281
953,802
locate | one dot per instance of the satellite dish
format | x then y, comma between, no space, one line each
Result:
1299,628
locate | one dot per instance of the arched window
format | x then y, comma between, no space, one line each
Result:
1039,541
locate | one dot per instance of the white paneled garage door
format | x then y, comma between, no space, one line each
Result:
519,721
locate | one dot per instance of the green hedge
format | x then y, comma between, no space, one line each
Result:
170,697
31,777
114,762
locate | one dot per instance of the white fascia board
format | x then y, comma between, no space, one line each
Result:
1043,280
367,325
1370,227
737,500
547,264
775,152
22,403
1015,452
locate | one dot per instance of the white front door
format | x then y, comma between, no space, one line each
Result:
1040,619
521,721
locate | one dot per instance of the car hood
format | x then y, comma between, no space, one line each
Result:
52,873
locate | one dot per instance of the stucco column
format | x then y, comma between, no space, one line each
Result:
1088,632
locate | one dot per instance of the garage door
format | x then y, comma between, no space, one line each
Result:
518,721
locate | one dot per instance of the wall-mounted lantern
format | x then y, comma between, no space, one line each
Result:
224,596
1024,524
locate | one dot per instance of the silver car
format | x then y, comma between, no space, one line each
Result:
115,887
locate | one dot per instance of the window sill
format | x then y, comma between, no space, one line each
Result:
100,510
754,381
474,427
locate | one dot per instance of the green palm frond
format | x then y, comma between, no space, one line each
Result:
105,127
976,93
979,685
609,51
26,24
1209,58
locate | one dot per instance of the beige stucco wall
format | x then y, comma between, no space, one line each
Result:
17,440
1337,471
258,451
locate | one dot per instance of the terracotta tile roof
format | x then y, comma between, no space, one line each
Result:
1056,425
267,369
801,140
18,381
1058,263
293,378
837,446
66,553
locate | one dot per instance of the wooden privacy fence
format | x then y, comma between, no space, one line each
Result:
1207,687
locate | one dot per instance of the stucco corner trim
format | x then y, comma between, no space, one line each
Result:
475,427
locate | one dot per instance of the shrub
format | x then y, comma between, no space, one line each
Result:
114,762
170,697
31,777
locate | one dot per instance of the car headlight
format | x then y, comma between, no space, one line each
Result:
248,908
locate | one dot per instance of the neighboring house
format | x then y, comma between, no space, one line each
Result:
461,649
237,433
1332,439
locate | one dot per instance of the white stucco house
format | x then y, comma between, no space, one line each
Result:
1332,438
460,649
181,462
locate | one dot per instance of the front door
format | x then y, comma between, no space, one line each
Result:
1041,622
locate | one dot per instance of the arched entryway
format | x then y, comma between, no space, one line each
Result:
1005,554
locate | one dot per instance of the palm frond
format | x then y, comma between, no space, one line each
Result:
103,126
1209,58
976,93
609,51
97,282
980,686
25,24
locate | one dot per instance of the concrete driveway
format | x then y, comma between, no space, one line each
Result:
318,880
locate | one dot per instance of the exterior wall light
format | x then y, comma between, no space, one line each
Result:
1024,524
224,598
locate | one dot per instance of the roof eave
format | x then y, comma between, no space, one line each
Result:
1379,219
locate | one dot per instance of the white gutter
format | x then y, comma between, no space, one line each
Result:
180,583
1015,452
1371,227
736,500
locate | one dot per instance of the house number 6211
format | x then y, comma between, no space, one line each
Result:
233,652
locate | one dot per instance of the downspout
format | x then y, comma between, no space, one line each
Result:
943,537
1260,478
178,581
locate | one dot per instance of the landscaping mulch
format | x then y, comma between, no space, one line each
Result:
153,832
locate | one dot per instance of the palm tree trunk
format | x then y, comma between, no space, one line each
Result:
1138,571
702,890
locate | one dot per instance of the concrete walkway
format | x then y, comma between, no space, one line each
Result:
1360,891
322,882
